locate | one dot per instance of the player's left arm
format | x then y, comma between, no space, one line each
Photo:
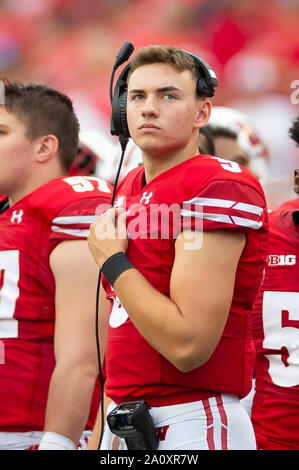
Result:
73,379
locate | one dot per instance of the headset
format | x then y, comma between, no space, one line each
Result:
204,87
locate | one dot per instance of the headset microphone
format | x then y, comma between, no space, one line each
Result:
124,53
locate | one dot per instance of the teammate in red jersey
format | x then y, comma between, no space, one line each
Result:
181,283
47,275
275,409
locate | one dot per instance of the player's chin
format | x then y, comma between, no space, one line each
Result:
148,142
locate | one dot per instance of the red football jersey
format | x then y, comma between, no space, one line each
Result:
59,210
275,410
203,193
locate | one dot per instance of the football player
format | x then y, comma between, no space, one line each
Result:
206,141
235,139
181,282
275,409
47,275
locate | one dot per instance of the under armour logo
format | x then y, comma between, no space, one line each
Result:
17,216
146,197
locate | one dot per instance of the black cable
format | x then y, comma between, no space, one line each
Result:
99,361
111,83
97,308
122,56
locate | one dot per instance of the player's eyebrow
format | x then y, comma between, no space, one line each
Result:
166,88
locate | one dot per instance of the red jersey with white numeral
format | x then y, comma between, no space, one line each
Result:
202,193
275,411
59,210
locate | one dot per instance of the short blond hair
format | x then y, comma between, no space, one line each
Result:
179,59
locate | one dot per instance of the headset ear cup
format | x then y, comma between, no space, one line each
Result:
119,125
123,113
202,88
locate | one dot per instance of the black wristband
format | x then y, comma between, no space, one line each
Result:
115,266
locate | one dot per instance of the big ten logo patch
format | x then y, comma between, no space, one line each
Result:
281,260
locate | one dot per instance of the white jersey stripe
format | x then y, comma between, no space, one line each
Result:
209,201
203,215
73,232
226,219
213,202
75,219
185,213
241,206
218,218
247,222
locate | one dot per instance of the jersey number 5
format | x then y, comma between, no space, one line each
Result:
281,329
229,165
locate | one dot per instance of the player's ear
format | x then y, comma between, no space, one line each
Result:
203,113
46,148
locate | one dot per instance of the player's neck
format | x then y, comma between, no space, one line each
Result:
35,181
155,164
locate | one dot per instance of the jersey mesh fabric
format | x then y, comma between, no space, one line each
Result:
220,195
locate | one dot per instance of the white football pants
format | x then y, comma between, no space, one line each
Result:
217,423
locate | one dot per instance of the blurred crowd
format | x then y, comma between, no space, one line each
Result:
253,46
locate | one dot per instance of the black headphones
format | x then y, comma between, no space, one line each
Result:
119,126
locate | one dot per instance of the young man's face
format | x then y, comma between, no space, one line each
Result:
163,110
16,152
